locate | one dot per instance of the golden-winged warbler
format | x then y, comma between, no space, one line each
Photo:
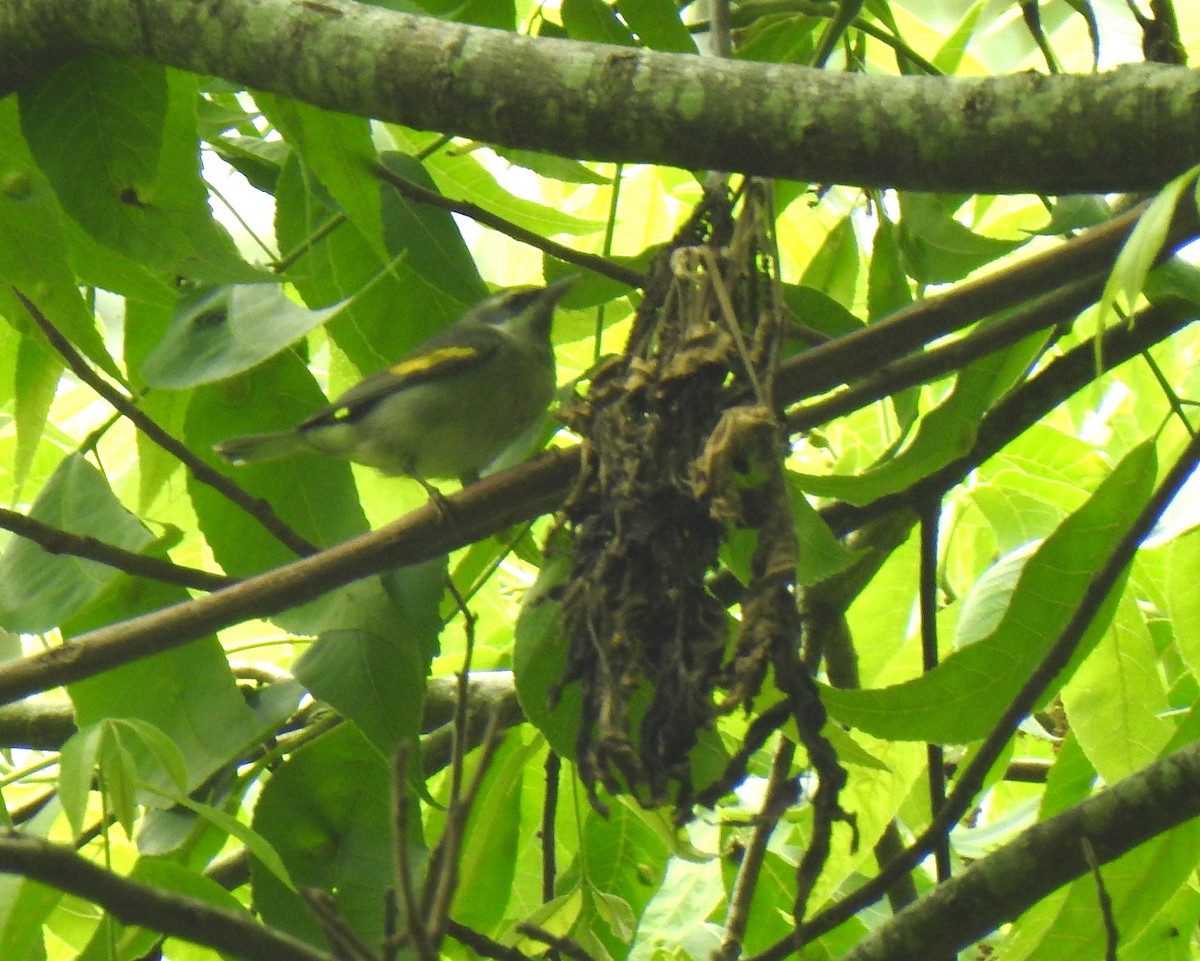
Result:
446,409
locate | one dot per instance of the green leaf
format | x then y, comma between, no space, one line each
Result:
816,309
188,694
1070,780
949,56
1067,927
460,175
340,151
960,699
498,14
833,269
596,21
43,589
96,126
370,663
34,247
254,842
76,766
675,917
552,167
1141,249
491,845
165,752
630,853
657,24
327,812
821,554
1160,940
937,247
117,139
1116,701
217,333
391,306
887,284
780,39
540,658
1027,489
117,776
1183,596
36,384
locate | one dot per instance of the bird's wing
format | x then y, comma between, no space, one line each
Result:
440,357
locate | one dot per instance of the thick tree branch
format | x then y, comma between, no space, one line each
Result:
476,511
1129,129
1050,854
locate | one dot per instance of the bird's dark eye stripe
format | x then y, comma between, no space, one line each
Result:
513,302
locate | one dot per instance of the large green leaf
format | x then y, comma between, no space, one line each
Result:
596,21
1068,926
339,149
960,699
34,247
327,812
491,846
461,176
217,333
36,384
833,269
1116,700
657,24
1183,596
42,589
937,247
391,305
540,658
371,662
1141,249
117,139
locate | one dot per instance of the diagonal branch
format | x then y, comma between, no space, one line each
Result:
1045,857
235,935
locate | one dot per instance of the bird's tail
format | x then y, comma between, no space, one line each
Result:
258,447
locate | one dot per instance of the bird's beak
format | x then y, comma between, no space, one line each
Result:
552,292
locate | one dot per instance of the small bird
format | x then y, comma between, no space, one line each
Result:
447,408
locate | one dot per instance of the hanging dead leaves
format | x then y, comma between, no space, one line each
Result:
682,444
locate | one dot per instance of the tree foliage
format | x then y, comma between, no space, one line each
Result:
844,603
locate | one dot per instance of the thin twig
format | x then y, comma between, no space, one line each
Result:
780,795
549,813
481,944
344,943
54,540
1111,934
597,265
567,946
1046,312
929,660
405,874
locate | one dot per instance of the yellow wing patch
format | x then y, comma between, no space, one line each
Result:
431,360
